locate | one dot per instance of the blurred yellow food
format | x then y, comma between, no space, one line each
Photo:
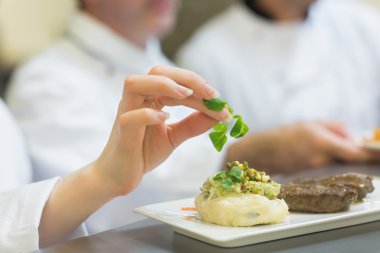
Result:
376,135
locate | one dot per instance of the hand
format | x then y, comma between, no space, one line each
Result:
140,138
299,146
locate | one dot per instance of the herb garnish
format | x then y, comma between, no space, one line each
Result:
218,136
237,178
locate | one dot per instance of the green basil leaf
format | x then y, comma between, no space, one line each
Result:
220,127
240,128
230,109
236,174
218,139
244,131
227,184
215,104
220,175
218,136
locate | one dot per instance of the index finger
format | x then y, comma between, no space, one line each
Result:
188,79
344,149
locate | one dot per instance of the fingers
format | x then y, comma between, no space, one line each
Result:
344,149
373,156
197,104
186,78
135,120
195,124
166,86
138,88
336,127
338,144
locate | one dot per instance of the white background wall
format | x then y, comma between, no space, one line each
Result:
26,26
376,2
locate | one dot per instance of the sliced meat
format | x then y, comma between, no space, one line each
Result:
361,183
317,198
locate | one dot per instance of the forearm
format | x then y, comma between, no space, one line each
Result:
72,201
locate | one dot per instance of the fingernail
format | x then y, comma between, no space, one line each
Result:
225,115
211,92
164,115
185,91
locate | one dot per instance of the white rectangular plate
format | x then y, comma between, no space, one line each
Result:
189,223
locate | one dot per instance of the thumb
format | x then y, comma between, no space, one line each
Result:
193,125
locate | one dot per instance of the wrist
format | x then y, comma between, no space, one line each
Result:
98,182
113,176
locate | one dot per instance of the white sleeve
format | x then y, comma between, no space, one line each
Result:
15,167
46,107
20,215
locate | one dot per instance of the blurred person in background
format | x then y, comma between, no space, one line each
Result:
65,100
303,73
50,211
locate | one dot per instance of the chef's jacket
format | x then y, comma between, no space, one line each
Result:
21,204
324,67
15,167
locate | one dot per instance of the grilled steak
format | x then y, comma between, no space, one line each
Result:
317,198
361,183
328,194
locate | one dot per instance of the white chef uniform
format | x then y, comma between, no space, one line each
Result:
21,204
326,67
